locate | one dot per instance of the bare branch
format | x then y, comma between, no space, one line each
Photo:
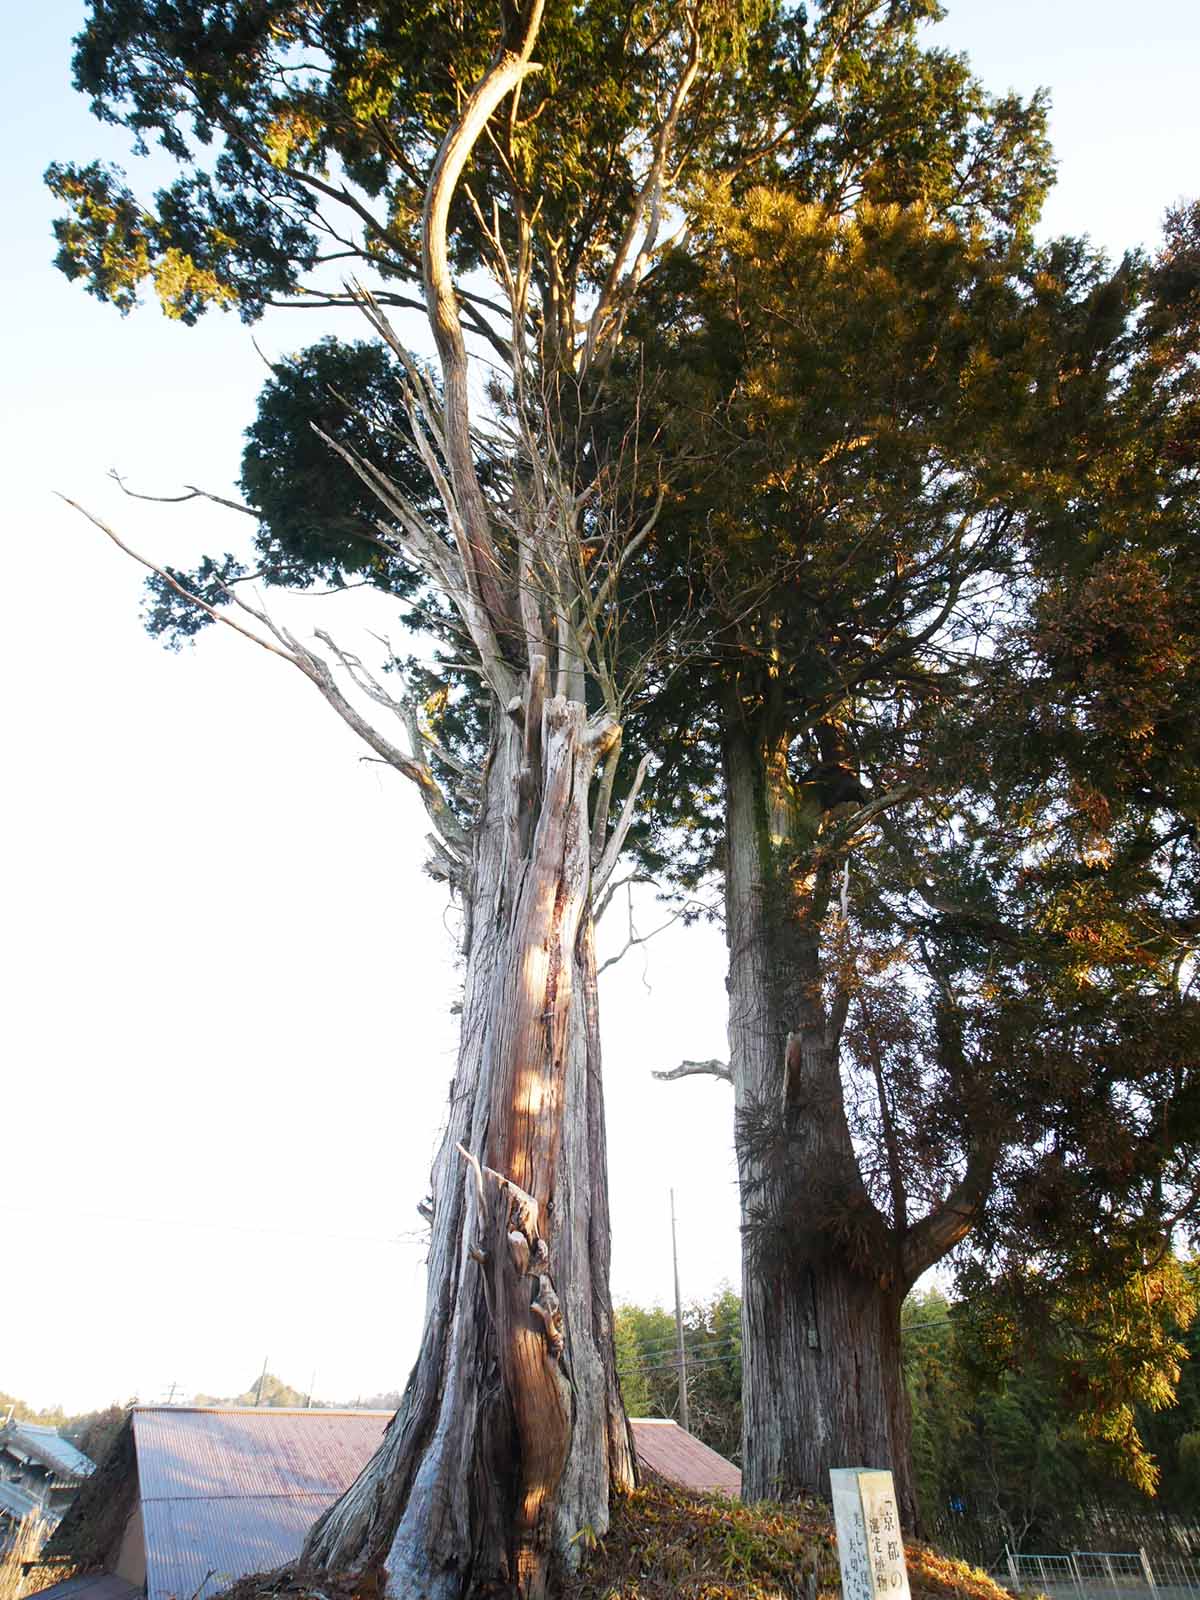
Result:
875,807
317,672
839,1010
634,937
595,604
604,801
368,304
186,594
508,68
612,851
418,531
473,1162
436,804
430,555
696,1069
895,1163
606,589
649,199
178,499
535,701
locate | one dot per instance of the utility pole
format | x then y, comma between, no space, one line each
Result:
262,1378
683,1394
312,1382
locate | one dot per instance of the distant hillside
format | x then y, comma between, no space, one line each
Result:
274,1392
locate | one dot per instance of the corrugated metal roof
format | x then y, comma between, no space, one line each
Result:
225,1492
199,1547
46,1445
268,1451
92,1586
665,1448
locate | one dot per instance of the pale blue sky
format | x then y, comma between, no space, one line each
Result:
227,981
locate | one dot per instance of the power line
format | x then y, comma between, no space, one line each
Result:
655,1350
673,1366
644,1369
669,1343
659,1347
662,1366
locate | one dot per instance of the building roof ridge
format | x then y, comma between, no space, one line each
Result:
268,1411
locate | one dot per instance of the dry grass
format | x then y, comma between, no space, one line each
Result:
15,1584
665,1543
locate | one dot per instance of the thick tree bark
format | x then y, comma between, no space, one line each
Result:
511,1434
822,1281
822,1383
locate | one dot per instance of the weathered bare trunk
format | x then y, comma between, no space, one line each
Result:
822,1280
511,1433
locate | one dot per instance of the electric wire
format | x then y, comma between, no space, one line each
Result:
643,1369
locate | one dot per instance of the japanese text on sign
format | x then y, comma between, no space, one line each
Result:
870,1544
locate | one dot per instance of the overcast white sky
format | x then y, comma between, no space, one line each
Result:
226,1036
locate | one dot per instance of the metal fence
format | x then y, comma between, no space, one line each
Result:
1115,1574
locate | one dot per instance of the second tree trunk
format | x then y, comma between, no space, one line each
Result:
821,1288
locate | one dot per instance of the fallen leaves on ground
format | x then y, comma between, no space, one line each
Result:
665,1543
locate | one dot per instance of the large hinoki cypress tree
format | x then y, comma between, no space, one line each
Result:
862,499
958,817
843,355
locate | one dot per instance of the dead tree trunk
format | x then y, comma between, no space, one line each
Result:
823,1276
511,1432
511,1435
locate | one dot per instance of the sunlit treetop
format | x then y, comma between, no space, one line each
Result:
304,135
863,411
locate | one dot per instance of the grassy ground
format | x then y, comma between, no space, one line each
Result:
665,1543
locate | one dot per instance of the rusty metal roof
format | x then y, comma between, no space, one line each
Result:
228,1491
679,1457
185,1454
195,1548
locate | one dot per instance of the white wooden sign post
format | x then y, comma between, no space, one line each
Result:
870,1544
